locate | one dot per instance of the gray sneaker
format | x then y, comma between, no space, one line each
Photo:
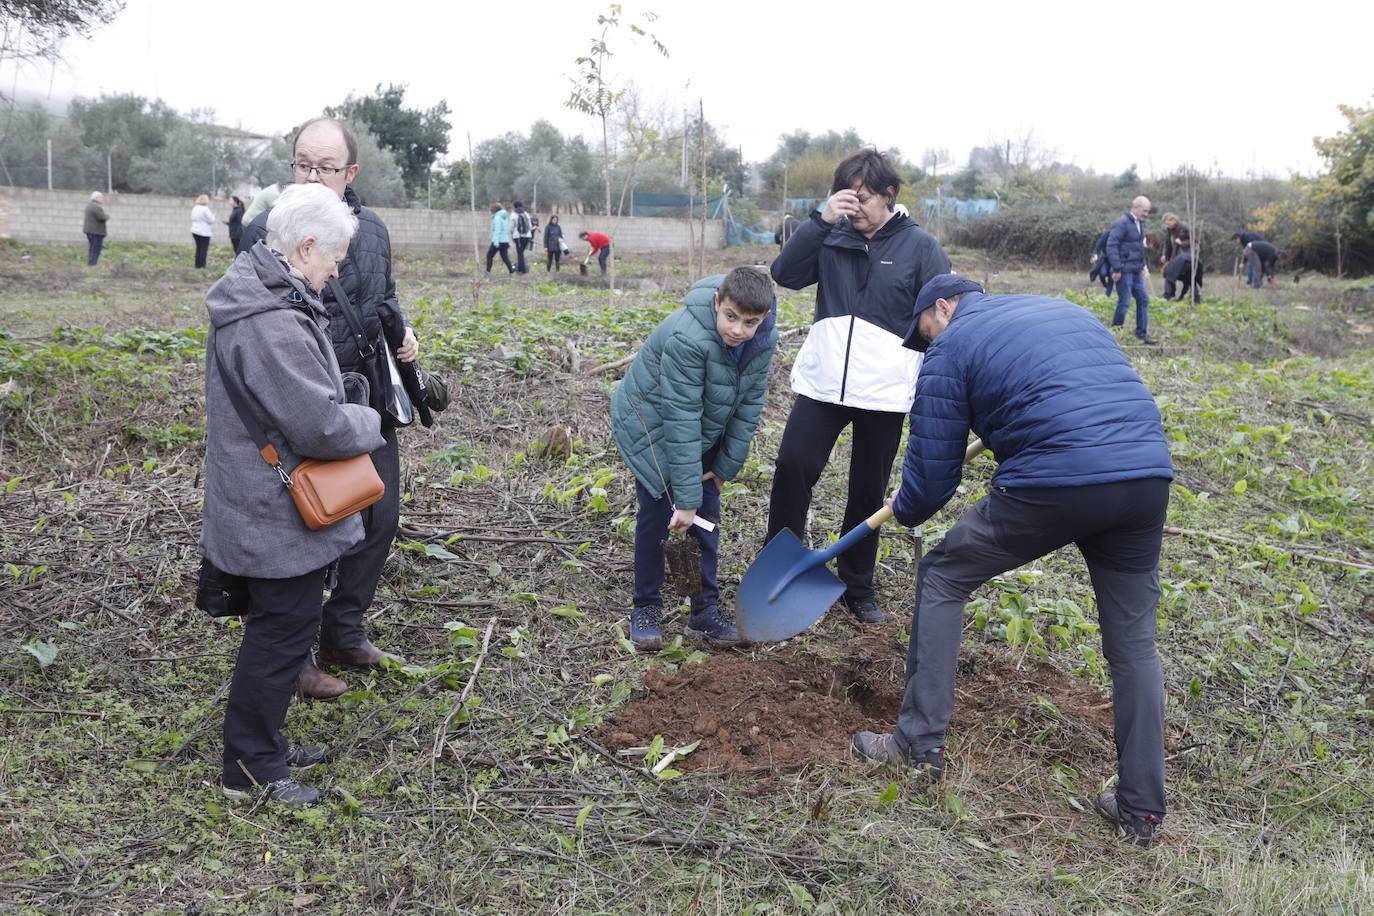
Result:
882,749
1139,831
286,792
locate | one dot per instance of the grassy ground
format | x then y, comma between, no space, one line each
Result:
467,781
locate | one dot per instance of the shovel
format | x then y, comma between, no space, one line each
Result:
788,588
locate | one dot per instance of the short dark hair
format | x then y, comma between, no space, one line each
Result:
582,234
237,202
517,204
749,288
870,169
350,141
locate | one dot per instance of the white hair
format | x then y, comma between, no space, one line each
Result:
97,196
310,211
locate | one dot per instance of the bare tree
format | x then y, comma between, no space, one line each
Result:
594,94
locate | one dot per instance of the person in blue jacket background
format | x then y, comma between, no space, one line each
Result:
1081,459
1126,254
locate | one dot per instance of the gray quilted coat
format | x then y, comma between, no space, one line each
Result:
272,334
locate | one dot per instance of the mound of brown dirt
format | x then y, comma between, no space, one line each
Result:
794,705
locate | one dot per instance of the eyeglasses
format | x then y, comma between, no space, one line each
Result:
324,171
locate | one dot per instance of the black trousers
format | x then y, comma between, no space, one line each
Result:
1180,271
555,260
504,248
521,265
202,248
1118,528
361,569
810,434
277,635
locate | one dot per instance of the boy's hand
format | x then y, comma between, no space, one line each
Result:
682,519
891,499
711,475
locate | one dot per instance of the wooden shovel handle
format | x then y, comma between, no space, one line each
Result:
876,520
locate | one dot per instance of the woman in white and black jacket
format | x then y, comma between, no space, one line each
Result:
868,263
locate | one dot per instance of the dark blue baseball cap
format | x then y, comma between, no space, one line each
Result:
939,287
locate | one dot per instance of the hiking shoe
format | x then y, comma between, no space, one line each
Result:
712,626
882,749
646,628
1138,831
1146,339
282,791
304,756
866,610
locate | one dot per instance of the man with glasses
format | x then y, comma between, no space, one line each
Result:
326,152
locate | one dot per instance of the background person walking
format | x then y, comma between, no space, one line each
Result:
522,231
500,237
1126,254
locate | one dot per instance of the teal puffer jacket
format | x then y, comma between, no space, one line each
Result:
686,391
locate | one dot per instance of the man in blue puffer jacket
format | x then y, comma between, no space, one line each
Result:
1126,254
1081,459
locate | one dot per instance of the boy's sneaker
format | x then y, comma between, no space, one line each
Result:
712,626
281,791
646,628
882,749
1139,831
866,610
304,756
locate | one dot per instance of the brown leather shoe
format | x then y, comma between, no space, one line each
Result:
315,684
362,658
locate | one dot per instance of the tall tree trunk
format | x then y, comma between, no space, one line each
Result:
606,179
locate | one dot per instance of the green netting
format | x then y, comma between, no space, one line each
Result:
675,205
740,234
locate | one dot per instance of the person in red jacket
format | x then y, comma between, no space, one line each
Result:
599,243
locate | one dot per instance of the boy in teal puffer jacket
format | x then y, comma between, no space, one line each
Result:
682,420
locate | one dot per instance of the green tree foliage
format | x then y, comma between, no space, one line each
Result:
415,137
35,29
449,186
128,128
1329,222
810,162
543,165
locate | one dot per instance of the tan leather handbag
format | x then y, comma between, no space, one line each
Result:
327,491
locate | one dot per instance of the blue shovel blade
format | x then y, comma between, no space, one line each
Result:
802,601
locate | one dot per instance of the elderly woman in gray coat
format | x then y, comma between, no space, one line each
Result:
268,337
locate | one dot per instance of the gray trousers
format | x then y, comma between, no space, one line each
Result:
1118,528
361,569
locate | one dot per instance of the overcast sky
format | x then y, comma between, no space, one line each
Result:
1234,87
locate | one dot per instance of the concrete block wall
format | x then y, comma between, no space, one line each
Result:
40,216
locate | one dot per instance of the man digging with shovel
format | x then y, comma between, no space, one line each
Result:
1081,459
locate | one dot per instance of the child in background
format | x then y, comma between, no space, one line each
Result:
682,420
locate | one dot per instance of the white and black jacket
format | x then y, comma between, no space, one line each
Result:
865,295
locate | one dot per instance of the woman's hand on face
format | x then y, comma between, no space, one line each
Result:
841,203
409,348
682,519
